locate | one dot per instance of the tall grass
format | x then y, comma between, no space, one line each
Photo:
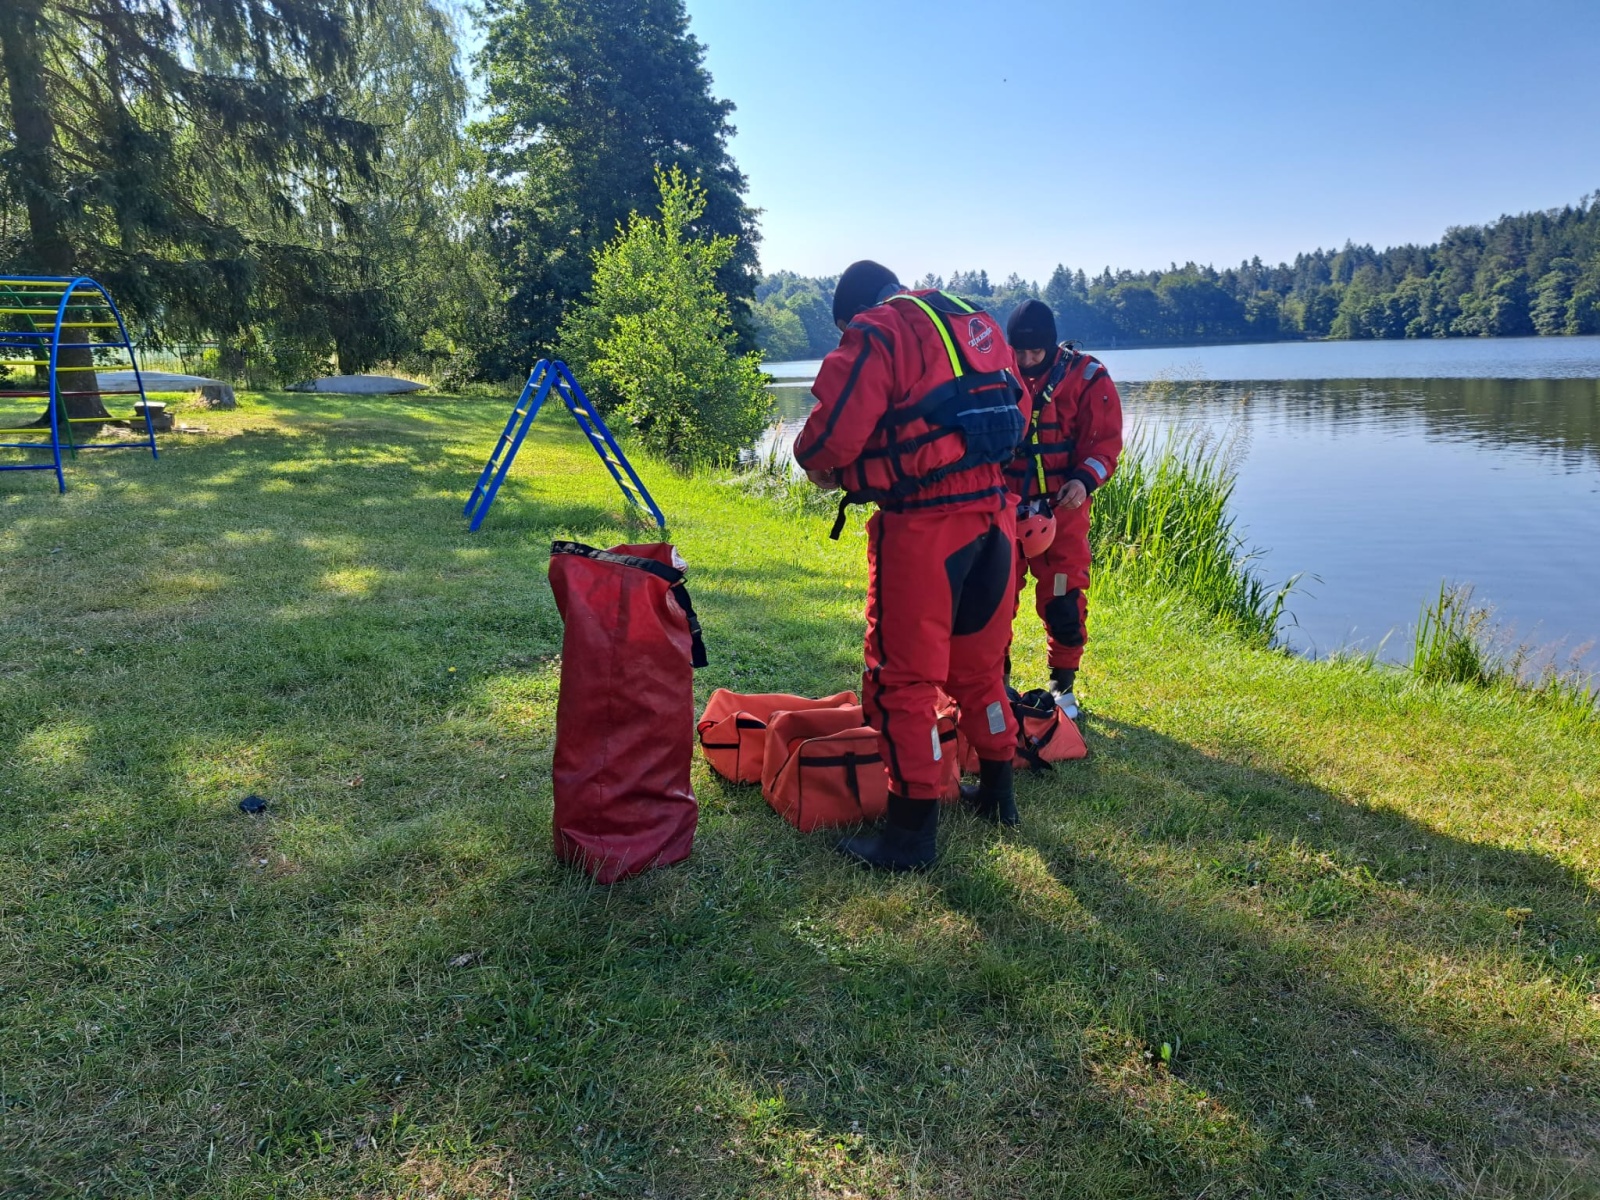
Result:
1456,641
772,476
1452,642
1162,524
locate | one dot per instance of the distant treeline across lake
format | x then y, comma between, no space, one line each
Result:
1534,274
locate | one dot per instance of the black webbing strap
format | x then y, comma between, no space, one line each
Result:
838,521
1023,707
698,652
671,575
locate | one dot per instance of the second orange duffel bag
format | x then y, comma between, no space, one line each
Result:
1045,734
733,728
824,769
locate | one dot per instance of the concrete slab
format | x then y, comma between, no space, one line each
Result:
154,381
359,385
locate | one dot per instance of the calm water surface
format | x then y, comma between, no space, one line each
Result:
1469,461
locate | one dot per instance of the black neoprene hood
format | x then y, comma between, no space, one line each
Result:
861,286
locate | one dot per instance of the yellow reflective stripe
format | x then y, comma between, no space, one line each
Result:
958,302
944,334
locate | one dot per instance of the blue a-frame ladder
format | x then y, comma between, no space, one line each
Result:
548,376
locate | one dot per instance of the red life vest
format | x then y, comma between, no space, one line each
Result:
1046,457
964,413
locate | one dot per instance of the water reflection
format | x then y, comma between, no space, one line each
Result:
1383,489
1557,416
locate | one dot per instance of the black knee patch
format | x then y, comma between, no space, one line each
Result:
1063,617
980,581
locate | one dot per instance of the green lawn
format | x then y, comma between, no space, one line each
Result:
1295,929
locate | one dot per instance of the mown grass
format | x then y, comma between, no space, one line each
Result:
1360,910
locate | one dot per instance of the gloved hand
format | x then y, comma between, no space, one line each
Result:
828,481
1072,495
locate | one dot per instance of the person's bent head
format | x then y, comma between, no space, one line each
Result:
1032,334
862,285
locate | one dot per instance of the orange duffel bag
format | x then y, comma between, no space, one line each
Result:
1045,734
733,728
824,770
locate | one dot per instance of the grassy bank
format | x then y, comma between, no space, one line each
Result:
1296,929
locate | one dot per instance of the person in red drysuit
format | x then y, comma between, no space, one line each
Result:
918,411
1075,435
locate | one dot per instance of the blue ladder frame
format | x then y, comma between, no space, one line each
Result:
548,376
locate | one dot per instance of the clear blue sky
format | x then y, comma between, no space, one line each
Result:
941,135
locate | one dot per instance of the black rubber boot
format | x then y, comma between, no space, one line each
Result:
1063,679
907,841
994,797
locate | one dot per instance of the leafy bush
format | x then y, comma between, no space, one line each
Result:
655,343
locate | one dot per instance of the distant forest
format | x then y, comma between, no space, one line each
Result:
1538,273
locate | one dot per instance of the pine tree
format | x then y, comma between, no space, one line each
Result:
587,100
138,133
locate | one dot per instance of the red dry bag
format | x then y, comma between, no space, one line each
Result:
625,719
733,728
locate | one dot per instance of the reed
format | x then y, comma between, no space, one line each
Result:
771,475
1162,525
1457,642
1452,642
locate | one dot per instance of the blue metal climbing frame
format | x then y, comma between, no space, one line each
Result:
36,313
548,376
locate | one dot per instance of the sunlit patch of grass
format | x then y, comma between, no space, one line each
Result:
58,747
351,582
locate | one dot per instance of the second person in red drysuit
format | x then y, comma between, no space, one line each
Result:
1074,441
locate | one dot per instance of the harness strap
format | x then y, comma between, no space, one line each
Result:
1057,374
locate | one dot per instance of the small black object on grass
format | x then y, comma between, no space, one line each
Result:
252,804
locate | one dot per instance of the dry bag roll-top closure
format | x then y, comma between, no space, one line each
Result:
625,716
982,407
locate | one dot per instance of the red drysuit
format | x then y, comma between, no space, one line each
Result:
940,555
1076,433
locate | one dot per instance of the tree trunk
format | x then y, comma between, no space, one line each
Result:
49,247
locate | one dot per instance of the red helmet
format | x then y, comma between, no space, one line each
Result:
1036,527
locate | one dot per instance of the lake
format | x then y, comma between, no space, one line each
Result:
1380,469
